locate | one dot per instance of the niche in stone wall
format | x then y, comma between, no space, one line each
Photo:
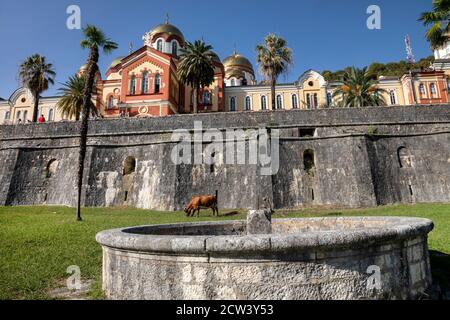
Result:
51,168
129,171
404,157
308,161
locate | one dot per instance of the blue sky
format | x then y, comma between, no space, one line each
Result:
324,34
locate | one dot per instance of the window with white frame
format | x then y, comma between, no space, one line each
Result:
294,101
422,89
50,115
110,102
279,102
248,103
174,48
393,97
263,103
316,101
145,82
133,85
159,45
233,104
157,83
7,115
433,90
329,99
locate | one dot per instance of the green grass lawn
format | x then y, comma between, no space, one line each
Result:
37,244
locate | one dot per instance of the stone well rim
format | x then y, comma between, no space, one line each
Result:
397,228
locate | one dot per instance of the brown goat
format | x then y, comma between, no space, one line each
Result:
201,202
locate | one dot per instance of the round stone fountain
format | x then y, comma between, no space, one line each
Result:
319,258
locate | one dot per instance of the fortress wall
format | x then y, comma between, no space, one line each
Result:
425,179
355,152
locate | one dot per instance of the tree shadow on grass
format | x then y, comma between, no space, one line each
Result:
440,270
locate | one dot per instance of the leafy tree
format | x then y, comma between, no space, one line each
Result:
72,94
274,58
359,89
94,39
196,67
36,75
376,69
438,22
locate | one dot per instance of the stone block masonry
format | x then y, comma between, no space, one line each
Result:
354,157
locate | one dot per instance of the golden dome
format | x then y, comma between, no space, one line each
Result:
115,62
236,60
168,29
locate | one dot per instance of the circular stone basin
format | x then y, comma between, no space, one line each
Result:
319,258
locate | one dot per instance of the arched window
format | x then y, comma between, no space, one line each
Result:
159,45
25,115
422,89
50,115
7,115
110,102
133,84
50,170
294,101
233,104
129,166
279,102
263,103
174,48
316,102
329,99
233,82
433,89
308,101
144,84
18,115
248,103
157,83
206,98
308,160
393,97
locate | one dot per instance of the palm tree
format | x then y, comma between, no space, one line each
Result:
274,58
36,75
94,39
359,89
72,95
196,67
438,22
